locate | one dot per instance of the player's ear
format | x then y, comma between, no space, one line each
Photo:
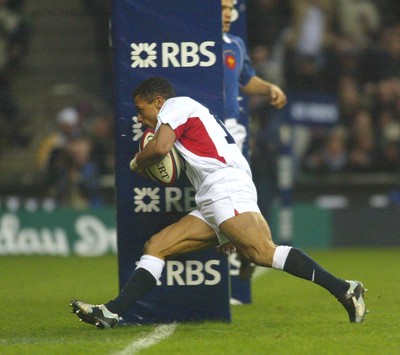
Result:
159,101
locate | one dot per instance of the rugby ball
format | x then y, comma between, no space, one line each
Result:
168,170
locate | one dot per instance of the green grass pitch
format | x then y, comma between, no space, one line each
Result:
287,316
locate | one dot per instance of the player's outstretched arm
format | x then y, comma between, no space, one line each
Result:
257,86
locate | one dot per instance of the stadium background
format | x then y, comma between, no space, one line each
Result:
57,139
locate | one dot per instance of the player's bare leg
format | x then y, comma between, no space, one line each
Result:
250,233
189,234
246,268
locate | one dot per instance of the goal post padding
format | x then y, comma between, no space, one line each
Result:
181,41
240,288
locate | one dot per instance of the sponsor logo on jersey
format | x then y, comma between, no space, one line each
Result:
230,61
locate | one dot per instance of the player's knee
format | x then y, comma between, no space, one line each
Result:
261,256
156,246
151,247
146,247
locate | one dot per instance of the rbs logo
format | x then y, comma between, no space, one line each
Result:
192,273
185,54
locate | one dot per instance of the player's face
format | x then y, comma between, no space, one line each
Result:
227,8
147,112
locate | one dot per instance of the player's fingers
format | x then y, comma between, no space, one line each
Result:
277,96
132,164
281,103
282,99
134,167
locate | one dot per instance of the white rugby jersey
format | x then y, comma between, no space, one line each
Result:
202,140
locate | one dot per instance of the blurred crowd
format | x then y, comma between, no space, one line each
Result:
346,48
77,154
15,34
76,157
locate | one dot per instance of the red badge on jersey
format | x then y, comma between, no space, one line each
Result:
230,61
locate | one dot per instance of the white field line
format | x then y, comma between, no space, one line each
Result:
162,332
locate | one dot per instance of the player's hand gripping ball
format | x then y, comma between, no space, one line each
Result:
168,170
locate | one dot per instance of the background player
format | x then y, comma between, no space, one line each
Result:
240,78
227,205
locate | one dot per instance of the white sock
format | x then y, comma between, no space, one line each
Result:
152,264
280,256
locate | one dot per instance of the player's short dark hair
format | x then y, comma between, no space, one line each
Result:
150,88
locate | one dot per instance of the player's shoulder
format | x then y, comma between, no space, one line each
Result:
230,38
181,105
180,101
